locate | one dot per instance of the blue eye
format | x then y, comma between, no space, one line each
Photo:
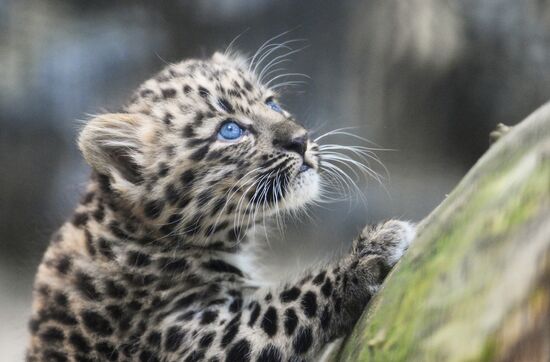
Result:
273,105
230,130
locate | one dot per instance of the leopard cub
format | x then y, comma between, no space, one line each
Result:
153,265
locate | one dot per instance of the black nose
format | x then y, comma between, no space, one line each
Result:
298,145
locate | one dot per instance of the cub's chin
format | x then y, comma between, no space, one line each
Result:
303,188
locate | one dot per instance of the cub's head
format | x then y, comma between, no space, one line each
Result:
203,149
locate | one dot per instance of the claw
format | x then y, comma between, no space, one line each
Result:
498,133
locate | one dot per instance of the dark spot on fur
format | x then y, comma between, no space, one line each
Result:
171,194
114,311
254,314
226,106
236,305
173,265
88,198
89,243
63,264
187,178
114,227
193,226
61,299
163,169
207,340
309,304
209,316
172,222
204,197
303,340
220,266
203,92
325,318
200,153
54,356
96,323
153,209
218,301
168,117
186,300
146,92
270,353
194,142
218,204
233,234
326,289
240,352
34,325
318,280
213,229
99,213
290,321
52,335
199,116
289,295
195,356
104,248
80,219
269,322
231,330
168,93
184,201
107,351
188,131
79,343
115,290
187,316
134,306
154,339
138,259
85,285
338,305
174,338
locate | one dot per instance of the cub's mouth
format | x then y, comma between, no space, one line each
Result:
305,166
304,187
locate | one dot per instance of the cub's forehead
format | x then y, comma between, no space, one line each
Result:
194,80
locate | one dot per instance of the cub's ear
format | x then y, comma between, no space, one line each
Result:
112,145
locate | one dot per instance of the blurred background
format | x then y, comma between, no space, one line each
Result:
428,79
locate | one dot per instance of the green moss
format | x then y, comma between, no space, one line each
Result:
446,274
488,352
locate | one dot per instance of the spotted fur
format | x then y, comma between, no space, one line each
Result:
150,266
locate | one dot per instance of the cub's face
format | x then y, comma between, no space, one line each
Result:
204,147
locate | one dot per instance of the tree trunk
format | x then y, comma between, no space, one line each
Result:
475,285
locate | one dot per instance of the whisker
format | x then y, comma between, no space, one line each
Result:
343,159
229,49
342,131
266,70
289,83
261,48
276,60
276,47
286,75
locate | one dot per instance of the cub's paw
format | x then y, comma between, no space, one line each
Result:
389,240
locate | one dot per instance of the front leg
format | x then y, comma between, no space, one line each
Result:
294,321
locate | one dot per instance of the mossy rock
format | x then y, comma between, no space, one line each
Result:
475,285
